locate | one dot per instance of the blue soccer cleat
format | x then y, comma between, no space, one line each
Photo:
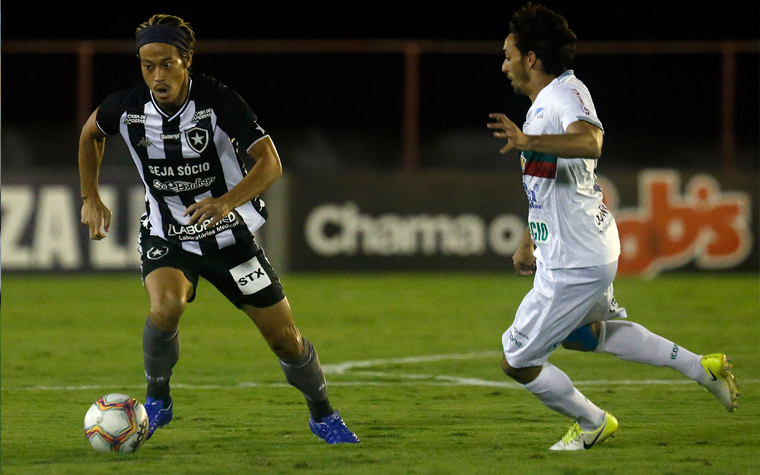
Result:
158,416
333,430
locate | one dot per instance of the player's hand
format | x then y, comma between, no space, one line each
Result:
208,211
506,129
524,260
97,217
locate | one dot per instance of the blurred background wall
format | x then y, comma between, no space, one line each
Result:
396,96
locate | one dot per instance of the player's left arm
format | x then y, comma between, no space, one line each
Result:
582,139
265,171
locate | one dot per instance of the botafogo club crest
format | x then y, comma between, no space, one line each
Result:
197,139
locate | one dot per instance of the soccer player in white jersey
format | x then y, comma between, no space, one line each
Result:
571,243
190,137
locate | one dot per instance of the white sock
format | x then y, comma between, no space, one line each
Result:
632,342
554,388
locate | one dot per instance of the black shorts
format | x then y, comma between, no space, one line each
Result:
241,272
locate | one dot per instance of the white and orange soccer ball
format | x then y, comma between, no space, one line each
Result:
116,423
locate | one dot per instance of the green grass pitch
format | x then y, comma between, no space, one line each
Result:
412,363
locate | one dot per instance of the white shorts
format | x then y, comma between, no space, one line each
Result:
560,301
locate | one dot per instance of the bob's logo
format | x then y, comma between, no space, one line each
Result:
668,230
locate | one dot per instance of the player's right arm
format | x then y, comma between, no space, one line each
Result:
92,144
523,258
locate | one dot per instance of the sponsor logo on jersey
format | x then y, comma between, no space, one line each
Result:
202,114
603,218
198,231
580,101
179,170
531,194
197,139
539,114
180,186
144,142
539,230
135,119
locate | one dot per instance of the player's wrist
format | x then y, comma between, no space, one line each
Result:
526,142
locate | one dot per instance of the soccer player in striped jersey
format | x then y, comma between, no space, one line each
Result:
572,243
190,136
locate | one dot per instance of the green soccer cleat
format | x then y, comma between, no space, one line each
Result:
578,439
719,379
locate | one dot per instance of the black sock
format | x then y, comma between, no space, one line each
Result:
160,353
306,375
319,410
159,391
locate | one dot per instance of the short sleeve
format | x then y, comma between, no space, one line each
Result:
109,114
238,120
575,104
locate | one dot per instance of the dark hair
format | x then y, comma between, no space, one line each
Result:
546,33
174,21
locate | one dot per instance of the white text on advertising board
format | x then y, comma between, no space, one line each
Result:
334,229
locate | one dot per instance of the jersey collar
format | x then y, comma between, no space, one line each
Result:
181,109
556,80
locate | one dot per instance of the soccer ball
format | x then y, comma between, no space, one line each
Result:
116,423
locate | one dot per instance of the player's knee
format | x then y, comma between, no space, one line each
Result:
166,310
506,368
521,375
585,338
509,370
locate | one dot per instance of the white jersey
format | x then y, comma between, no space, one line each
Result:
568,222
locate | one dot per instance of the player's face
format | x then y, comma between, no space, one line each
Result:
514,66
165,73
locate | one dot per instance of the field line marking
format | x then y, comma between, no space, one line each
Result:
407,378
453,380
446,381
340,368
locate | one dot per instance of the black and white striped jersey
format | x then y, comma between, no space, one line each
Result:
186,157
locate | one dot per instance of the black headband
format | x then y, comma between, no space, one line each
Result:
163,34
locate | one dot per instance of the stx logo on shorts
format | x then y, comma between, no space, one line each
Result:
250,277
